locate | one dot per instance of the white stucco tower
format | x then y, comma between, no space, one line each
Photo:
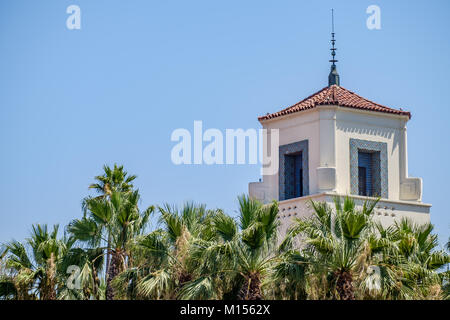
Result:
337,143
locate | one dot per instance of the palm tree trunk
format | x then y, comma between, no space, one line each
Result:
95,283
115,268
108,257
251,289
49,285
344,285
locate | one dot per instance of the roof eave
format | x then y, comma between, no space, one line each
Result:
401,114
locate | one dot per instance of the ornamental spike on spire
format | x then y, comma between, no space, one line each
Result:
333,77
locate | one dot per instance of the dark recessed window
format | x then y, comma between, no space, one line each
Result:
362,185
369,173
293,175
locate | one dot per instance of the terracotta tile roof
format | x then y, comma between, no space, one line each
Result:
335,95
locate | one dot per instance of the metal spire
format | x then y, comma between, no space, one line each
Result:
333,77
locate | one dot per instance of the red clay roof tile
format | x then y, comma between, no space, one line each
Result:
335,95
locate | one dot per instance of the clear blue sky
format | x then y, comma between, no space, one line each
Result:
114,91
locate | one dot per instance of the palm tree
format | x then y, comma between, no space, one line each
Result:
35,275
334,243
114,223
233,263
258,237
90,264
162,260
21,278
289,276
418,260
345,254
8,290
112,180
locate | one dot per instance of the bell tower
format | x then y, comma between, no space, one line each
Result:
338,143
